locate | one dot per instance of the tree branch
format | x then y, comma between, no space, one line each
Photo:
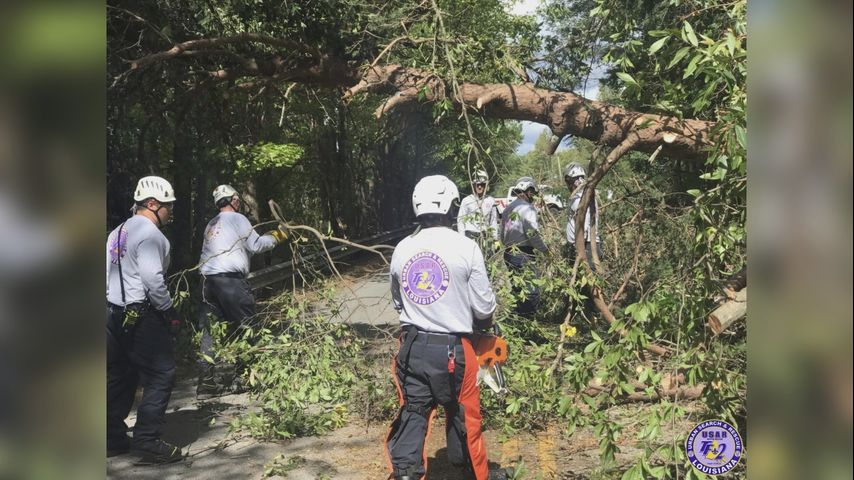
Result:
564,113
206,43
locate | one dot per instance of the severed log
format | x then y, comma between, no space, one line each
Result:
679,393
730,311
735,283
676,393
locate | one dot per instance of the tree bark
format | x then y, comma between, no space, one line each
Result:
682,392
565,113
731,310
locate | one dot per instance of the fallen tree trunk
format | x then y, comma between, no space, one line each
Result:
730,311
565,113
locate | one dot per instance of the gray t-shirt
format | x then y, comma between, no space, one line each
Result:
229,242
439,282
574,203
144,254
478,215
519,226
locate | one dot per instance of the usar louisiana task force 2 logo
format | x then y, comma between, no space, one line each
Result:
119,242
714,447
425,278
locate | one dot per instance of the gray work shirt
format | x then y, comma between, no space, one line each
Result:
439,282
519,226
574,203
144,254
229,242
478,215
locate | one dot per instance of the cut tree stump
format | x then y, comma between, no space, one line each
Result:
730,311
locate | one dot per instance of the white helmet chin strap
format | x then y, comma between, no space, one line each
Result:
160,223
232,205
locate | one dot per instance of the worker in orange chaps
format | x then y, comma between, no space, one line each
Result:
440,287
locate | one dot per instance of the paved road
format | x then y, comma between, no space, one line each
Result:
201,429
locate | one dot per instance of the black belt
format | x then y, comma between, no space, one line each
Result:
228,275
528,250
136,306
432,338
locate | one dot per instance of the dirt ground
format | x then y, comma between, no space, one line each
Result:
355,452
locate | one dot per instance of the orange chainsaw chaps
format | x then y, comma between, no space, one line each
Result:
490,349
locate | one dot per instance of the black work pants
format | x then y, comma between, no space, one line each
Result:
227,297
422,373
140,354
520,262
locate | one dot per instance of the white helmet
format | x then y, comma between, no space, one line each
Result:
523,184
481,176
154,187
553,201
434,194
574,170
223,191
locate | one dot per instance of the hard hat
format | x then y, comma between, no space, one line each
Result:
523,184
154,187
223,191
481,176
574,170
552,200
434,194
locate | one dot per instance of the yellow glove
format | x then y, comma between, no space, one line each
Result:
280,234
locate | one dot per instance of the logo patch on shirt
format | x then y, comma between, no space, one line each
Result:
121,238
213,230
425,278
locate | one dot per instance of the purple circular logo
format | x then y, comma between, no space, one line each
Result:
121,238
425,278
714,447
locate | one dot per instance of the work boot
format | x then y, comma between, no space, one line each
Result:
118,447
156,452
501,474
238,385
207,386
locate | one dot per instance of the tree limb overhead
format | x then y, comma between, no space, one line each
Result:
564,113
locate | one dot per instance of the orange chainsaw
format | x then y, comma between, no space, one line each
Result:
491,351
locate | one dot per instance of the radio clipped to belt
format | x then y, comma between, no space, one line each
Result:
491,351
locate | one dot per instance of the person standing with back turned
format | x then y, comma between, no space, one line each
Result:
226,294
440,287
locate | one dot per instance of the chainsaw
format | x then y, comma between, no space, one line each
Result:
491,352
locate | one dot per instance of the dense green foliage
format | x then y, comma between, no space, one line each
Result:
672,229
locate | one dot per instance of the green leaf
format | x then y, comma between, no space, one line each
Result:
633,473
741,136
730,42
679,56
658,44
658,33
654,472
627,79
692,66
689,33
